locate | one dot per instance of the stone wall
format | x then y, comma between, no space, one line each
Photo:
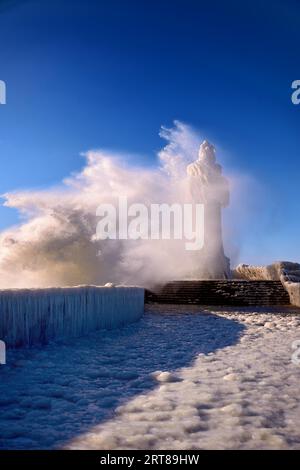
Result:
285,271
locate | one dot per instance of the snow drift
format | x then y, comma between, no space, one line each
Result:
35,316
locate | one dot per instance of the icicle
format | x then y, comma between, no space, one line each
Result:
35,316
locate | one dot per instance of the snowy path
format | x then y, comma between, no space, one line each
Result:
229,382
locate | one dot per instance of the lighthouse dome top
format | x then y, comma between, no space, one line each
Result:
207,152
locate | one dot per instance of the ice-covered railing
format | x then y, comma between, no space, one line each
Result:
34,316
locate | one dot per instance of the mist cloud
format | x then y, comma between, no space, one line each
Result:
56,246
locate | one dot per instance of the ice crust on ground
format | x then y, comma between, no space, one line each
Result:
184,377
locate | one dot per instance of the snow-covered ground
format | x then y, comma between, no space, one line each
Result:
183,377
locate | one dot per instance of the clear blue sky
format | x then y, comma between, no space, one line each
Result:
87,74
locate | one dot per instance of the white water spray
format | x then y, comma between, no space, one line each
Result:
56,246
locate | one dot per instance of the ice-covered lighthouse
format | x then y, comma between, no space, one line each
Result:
209,187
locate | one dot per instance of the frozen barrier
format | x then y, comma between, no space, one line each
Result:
285,271
35,316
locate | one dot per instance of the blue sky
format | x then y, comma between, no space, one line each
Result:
91,74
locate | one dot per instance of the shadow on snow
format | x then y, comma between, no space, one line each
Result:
52,394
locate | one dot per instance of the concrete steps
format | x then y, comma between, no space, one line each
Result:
220,292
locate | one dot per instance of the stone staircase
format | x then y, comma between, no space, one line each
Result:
220,292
